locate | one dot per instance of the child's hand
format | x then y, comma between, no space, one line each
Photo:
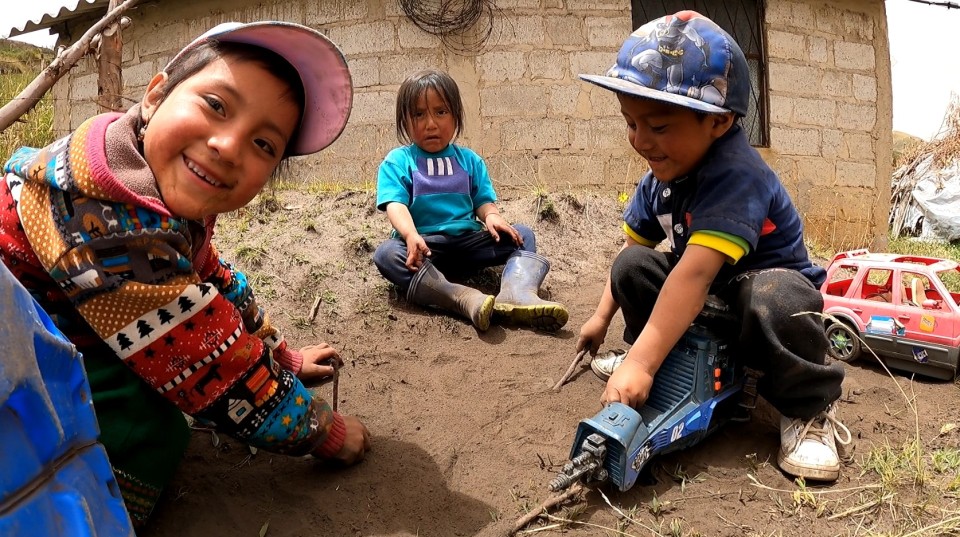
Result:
592,334
496,224
416,250
630,384
357,442
319,363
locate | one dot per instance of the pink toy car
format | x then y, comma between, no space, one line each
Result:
904,307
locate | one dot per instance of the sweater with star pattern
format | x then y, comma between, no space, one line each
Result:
83,227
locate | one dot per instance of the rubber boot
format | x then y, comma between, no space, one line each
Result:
518,300
430,288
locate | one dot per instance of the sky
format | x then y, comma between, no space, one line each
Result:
925,67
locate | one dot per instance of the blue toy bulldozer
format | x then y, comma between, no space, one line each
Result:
699,387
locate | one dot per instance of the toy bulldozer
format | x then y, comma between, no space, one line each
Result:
698,387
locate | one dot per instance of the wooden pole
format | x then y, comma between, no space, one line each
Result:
30,96
109,58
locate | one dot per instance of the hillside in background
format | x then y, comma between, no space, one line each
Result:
20,63
21,58
904,145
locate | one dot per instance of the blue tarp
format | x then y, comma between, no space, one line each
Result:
55,479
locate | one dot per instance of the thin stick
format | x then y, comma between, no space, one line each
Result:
573,365
544,507
924,530
315,308
756,482
863,507
624,515
30,96
336,386
570,522
548,527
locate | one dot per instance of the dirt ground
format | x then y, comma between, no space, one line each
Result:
466,429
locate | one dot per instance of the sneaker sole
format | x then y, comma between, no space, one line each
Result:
547,317
604,376
807,472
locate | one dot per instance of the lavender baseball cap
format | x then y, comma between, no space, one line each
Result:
327,87
684,59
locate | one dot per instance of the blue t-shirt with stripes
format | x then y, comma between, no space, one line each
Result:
442,190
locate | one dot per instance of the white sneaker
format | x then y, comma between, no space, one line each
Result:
605,364
808,449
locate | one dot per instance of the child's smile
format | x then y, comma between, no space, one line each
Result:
216,139
207,178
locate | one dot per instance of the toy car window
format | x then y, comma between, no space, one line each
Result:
914,288
877,285
950,279
920,293
840,280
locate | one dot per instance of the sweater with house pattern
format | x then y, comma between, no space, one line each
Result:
83,227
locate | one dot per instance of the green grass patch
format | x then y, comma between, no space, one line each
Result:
940,249
19,65
35,129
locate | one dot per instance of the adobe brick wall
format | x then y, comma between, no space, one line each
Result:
831,115
539,127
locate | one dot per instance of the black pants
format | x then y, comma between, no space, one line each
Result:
453,255
789,350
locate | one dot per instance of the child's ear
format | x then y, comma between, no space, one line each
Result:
721,123
153,96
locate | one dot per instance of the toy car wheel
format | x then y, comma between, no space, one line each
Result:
844,344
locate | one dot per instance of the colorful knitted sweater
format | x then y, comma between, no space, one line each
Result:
83,227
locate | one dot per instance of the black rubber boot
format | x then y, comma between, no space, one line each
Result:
430,288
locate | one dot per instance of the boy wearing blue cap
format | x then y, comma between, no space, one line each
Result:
682,83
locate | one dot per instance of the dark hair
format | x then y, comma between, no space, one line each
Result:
194,60
415,86
702,116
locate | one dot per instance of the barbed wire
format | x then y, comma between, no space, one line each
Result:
948,5
128,101
462,25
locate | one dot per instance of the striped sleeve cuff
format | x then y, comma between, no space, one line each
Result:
729,245
290,360
640,240
335,438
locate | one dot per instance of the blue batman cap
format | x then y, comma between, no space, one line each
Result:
683,59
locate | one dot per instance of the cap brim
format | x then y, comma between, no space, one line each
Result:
327,86
630,88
